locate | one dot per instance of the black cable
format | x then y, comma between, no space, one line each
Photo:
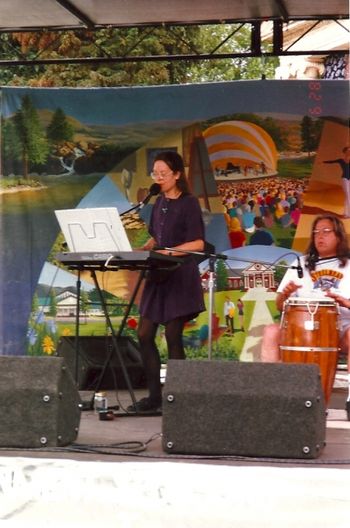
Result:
122,448
137,449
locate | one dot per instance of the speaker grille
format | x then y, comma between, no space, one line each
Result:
39,402
250,409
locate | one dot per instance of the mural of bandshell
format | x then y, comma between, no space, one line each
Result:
239,149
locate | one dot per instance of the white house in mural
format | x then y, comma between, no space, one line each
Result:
66,304
259,276
254,276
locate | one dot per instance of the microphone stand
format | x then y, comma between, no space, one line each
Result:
211,285
136,208
213,257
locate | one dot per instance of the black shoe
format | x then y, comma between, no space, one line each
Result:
146,406
347,408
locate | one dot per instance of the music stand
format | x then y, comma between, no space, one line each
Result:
97,229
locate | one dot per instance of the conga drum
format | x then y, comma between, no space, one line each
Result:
309,334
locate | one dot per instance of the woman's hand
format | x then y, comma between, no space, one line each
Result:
342,301
290,288
287,291
148,246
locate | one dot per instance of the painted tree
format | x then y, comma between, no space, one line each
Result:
221,276
310,133
31,136
59,129
84,303
35,304
53,304
10,147
280,270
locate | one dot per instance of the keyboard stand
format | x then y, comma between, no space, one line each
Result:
137,261
114,336
77,324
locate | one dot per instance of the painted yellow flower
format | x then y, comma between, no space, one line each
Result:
48,345
66,332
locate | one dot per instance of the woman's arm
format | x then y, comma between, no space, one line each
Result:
193,245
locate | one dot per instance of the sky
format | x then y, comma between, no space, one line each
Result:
56,277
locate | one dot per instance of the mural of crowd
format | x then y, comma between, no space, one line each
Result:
259,204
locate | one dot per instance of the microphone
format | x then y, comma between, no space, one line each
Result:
299,269
313,259
152,191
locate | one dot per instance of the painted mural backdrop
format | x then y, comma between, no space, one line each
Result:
263,157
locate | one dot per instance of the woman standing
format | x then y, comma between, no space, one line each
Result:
176,222
240,307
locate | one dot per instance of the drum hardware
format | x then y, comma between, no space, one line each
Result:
312,324
309,349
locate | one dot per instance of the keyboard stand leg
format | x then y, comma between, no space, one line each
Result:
115,347
132,300
76,340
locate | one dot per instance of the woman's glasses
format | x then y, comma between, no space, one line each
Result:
325,231
162,175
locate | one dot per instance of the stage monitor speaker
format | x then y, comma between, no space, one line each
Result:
240,408
39,402
94,352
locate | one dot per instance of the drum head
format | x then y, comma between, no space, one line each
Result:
309,301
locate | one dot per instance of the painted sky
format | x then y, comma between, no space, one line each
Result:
185,103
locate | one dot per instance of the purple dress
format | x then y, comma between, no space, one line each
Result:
173,222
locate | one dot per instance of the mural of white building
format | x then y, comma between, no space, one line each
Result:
66,304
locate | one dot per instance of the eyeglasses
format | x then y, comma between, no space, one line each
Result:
163,175
325,231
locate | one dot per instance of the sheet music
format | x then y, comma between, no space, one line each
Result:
93,229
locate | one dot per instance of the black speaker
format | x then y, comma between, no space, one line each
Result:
39,402
94,354
249,409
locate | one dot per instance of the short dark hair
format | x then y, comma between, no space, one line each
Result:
259,222
176,164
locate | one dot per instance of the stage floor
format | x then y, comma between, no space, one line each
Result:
139,438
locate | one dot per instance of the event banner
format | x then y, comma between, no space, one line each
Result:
264,158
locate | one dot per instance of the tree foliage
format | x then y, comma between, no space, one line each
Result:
310,133
134,42
221,276
10,147
31,135
53,304
59,129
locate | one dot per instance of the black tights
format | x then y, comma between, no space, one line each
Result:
147,331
